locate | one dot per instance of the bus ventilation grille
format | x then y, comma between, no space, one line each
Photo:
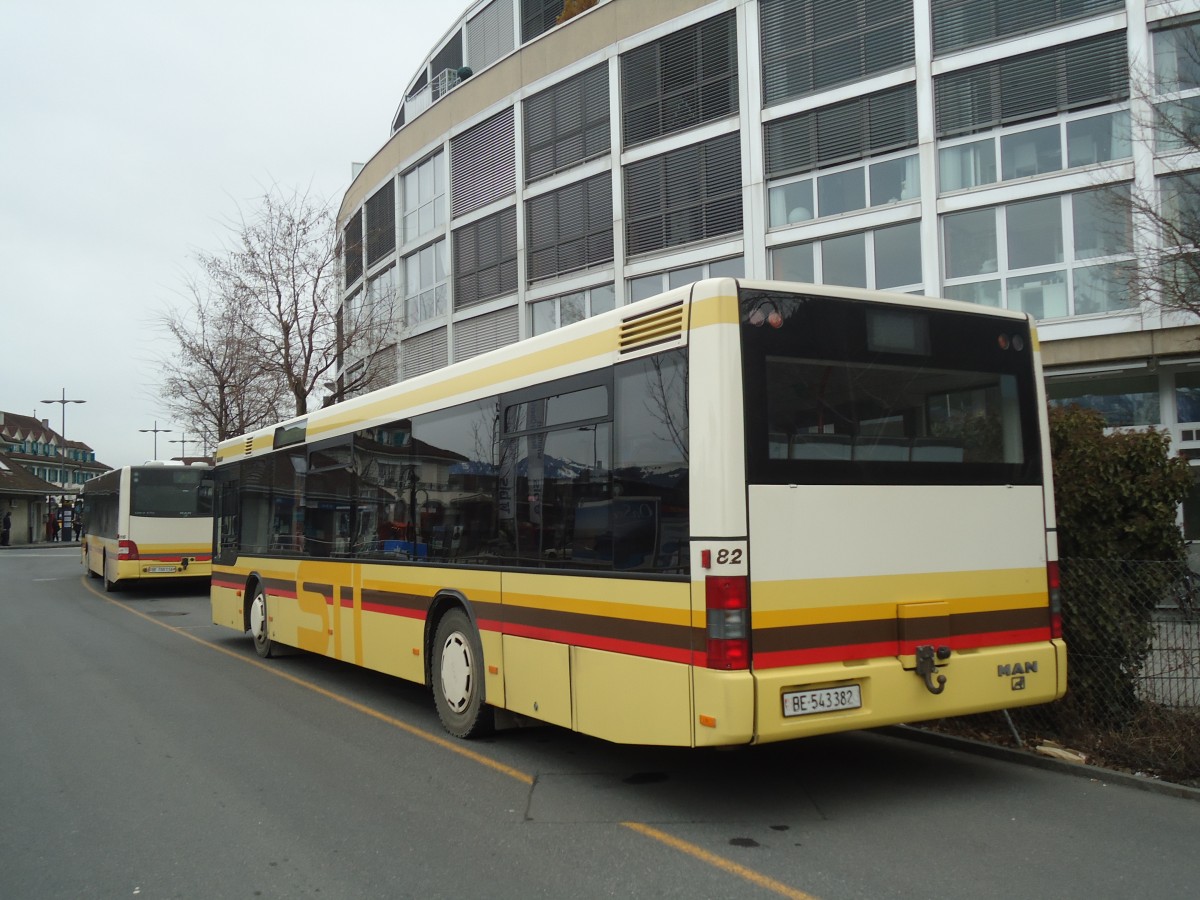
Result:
658,326
249,446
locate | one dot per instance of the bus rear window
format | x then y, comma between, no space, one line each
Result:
842,391
888,413
170,493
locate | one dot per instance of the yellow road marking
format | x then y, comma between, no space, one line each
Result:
720,862
690,849
421,733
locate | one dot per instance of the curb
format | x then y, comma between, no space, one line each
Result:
1025,757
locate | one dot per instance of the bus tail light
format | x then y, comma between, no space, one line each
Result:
1055,587
727,603
127,550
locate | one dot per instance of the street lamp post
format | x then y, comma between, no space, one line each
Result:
63,401
156,431
183,442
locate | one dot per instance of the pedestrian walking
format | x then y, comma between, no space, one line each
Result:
6,529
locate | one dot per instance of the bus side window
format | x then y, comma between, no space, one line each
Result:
650,464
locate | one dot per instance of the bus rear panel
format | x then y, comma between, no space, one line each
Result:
899,552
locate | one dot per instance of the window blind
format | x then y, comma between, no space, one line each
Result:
485,259
866,126
483,164
958,24
686,195
381,223
1045,82
571,228
567,124
484,333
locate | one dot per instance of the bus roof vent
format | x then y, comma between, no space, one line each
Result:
249,446
659,326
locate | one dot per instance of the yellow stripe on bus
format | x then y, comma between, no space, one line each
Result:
861,590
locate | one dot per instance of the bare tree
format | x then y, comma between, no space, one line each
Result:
1162,215
264,331
213,383
282,278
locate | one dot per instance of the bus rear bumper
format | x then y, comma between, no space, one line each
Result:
808,700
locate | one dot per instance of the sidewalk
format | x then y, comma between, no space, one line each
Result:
40,545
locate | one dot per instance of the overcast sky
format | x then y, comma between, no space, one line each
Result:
131,132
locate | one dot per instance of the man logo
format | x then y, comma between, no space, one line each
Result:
1026,668
1018,683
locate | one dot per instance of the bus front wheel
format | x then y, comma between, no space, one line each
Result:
263,645
457,677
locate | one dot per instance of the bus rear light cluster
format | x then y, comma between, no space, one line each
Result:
127,550
727,603
1054,585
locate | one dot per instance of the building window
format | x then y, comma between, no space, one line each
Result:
425,198
567,124
483,164
490,34
885,258
424,353
445,62
425,284
538,16
352,248
958,24
1035,151
1187,397
1177,58
687,195
1177,125
571,228
1051,256
1034,85
812,45
1124,401
841,132
680,81
485,259
381,223
651,285
547,315
889,181
379,307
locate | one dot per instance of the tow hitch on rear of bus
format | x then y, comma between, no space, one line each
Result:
927,665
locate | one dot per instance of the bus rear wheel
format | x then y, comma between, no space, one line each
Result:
457,677
263,645
109,586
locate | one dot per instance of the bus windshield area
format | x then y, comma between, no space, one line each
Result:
171,493
847,391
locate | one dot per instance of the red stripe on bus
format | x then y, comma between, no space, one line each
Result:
783,658
592,642
389,610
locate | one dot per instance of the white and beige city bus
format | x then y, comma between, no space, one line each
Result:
148,522
737,512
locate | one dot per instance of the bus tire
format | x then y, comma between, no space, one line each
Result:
109,586
457,677
263,645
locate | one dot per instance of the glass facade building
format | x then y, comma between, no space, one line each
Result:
991,151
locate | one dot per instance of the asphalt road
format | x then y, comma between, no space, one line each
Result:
147,753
